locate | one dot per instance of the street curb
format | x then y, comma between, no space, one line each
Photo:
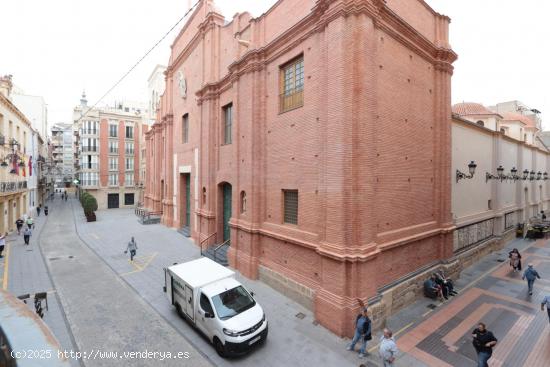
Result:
205,356
65,320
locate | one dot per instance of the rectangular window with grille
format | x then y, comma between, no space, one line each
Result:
227,123
290,206
129,132
185,128
292,85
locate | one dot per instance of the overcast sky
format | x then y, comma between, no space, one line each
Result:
58,48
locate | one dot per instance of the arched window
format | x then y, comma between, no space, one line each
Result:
243,202
480,123
204,195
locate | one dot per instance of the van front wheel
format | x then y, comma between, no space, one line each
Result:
220,349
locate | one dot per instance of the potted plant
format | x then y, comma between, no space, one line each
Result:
89,204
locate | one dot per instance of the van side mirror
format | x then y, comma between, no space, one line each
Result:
208,315
252,294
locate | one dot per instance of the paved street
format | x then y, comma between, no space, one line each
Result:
292,340
98,300
104,313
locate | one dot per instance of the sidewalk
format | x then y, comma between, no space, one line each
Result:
27,274
491,293
295,339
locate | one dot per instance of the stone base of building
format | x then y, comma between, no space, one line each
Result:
392,297
289,287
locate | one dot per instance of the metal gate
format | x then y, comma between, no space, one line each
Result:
112,201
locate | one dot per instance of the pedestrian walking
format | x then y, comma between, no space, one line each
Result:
27,233
388,349
19,224
132,247
66,196
546,302
543,215
484,341
530,274
515,260
38,210
30,223
46,210
362,332
2,243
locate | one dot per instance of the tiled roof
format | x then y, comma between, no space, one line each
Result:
471,108
513,116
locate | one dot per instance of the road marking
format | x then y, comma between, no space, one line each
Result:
6,265
141,267
427,312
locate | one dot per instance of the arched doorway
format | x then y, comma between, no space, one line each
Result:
226,196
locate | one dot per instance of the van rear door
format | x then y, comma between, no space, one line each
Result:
189,309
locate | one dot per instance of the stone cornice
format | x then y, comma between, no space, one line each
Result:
322,14
10,106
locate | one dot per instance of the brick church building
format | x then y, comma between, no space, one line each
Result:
315,142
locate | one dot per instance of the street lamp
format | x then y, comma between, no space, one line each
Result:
539,175
499,176
531,175
545,176
525,174
471,171
514,174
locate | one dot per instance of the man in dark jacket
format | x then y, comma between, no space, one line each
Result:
484,341
362,331
531,274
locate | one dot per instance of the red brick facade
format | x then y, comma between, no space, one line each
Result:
368,152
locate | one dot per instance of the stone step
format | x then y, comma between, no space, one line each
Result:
221,255
185,231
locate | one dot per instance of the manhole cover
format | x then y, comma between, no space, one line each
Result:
315,322
54,258
431,306
300,315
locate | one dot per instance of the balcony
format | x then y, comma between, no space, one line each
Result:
89,132
87,149
10,187
86,166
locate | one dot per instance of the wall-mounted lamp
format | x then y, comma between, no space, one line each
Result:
539,175
471,169
499,176
531,175
514,174
525,174
545,176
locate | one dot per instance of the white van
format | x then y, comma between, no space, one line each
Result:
208,295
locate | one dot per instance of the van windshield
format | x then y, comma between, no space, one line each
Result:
232,302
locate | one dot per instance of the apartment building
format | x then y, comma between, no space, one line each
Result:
107,146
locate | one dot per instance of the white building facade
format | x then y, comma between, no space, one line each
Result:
510,184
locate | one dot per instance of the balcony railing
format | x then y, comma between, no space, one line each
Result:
89,149
291,99
89,166
12,186
89,131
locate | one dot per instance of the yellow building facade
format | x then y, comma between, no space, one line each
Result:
15,131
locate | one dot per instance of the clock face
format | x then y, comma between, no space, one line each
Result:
182,85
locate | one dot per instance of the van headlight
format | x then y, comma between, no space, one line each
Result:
230,332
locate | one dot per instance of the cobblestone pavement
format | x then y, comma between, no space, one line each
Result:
499,298
27,274
105,315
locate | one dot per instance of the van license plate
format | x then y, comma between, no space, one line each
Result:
254,340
